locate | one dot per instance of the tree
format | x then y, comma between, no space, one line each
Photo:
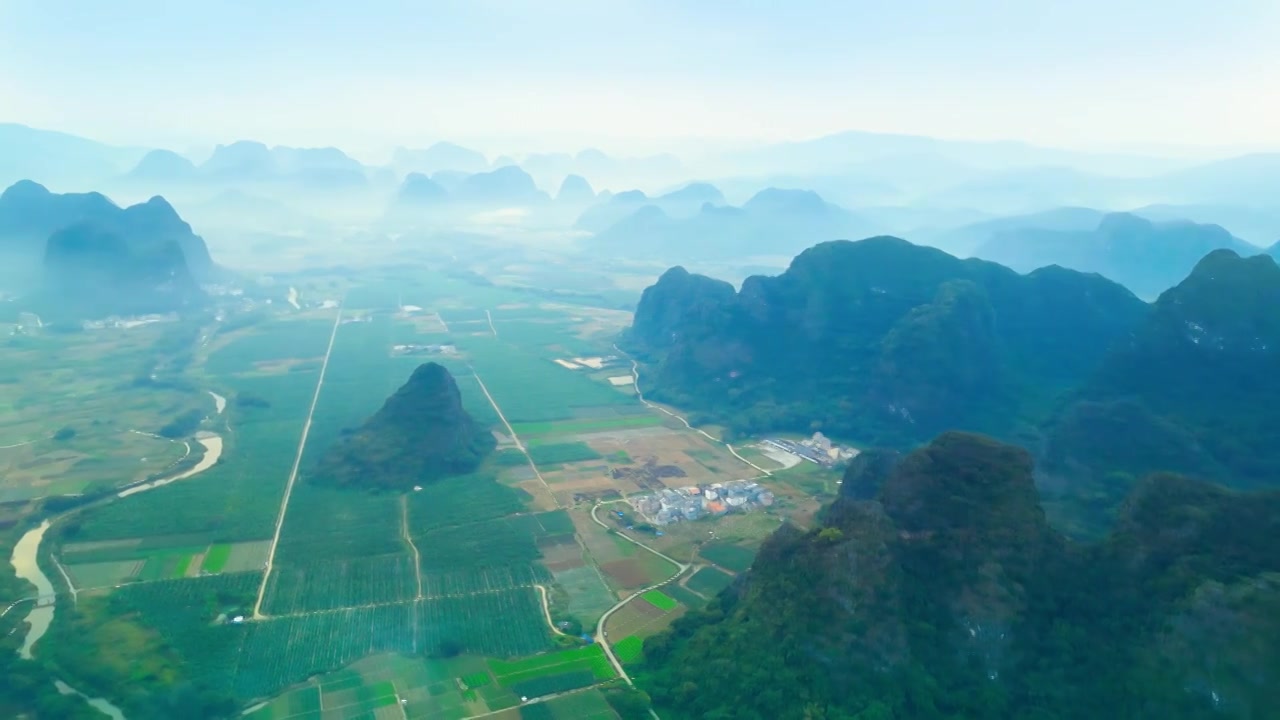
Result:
628,702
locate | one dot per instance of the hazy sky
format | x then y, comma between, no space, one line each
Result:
519,74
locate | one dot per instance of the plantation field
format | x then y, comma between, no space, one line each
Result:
236,500
350,618
325,523
709,581
329,584
467,498
282,651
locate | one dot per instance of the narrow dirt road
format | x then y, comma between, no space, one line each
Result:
515,438
293,474
635,376
546,610
404,533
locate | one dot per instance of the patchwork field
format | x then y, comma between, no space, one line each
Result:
424,604
83,411
641,619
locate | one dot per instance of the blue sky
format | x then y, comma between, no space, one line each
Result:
517,74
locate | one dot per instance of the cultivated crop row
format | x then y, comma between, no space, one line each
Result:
339,524
325,585
500,624
481,580
492,543
461,500
282,651
233,501
191,616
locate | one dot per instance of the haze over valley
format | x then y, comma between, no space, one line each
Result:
639,361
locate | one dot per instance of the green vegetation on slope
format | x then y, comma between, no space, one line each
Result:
950,597
1195,391
420,435
878,339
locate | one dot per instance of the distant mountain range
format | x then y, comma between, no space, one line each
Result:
317,169
934,587
891,343
922,188
773,222
440,156
547,169
964,241
1146,257
682,203
445,197
30,214
58,158
575,190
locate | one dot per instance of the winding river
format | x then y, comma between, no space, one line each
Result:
212,451
24,565
28,548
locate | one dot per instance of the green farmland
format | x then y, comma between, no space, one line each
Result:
430,600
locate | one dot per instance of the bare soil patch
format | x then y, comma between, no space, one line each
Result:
628,573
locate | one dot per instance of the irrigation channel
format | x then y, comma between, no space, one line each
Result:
27,550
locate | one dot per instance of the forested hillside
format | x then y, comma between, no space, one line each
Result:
949,596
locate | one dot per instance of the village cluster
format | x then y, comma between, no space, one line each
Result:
697,501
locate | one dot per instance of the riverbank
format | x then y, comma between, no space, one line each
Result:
26,568
212,445
27,550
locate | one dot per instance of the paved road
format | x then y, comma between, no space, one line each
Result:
600,637
17,602
297,462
